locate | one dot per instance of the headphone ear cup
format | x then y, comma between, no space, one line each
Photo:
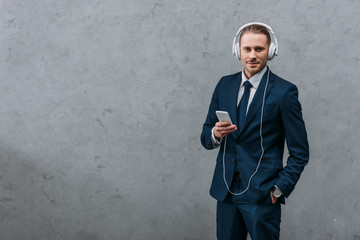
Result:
237,50
271,53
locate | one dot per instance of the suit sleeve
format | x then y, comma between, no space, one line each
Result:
211,120
296,140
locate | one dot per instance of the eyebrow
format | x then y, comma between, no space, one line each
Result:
253,47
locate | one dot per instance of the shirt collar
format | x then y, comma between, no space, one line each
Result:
254,80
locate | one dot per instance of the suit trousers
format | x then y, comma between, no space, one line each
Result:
236,216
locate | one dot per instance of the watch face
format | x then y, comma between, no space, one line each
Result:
277,193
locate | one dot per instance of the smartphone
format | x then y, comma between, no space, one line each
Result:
223,116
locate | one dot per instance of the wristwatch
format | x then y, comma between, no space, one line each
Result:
276,191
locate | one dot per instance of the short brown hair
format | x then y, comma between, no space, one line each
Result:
259,29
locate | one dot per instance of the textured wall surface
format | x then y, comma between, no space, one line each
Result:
102,104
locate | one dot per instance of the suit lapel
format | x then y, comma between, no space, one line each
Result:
233,95
258,99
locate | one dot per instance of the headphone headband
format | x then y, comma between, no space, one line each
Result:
273,49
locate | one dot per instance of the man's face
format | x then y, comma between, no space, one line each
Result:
254,52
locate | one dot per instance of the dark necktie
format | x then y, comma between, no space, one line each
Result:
243,103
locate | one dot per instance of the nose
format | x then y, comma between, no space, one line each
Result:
252,54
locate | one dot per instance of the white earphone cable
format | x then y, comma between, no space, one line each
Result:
261,143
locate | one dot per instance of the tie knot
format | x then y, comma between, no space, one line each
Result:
247,85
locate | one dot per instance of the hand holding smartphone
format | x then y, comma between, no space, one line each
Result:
221,129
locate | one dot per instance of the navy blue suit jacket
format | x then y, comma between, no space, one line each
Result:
282,120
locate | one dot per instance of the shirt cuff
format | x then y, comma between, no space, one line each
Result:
214,141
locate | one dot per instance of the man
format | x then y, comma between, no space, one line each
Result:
250,180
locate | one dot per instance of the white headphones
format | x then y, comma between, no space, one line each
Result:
273,48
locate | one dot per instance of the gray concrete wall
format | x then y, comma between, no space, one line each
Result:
102,105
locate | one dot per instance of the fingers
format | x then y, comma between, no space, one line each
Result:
223,128
223,124
273,198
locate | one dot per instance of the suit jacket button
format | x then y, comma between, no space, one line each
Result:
233,161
